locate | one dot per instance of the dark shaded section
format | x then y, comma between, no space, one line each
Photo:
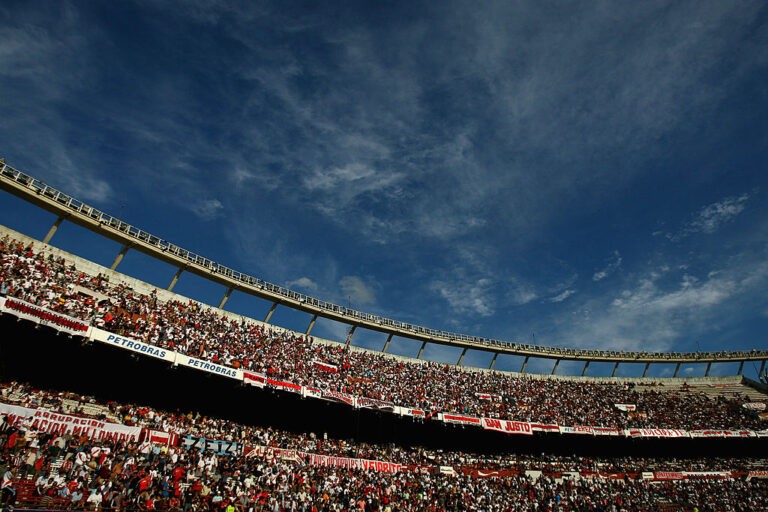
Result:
44,359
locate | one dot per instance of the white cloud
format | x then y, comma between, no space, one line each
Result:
302,283
470,297
357,291
562,296
663,308
208,209
609,269
712,217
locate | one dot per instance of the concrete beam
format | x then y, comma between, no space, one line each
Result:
53,229
311,324
493,361
709,367
421,350
554,368
525,363
271,312
175,279
225,298
645,372
584,371
461,357
615,369
386,343
119,257
677,370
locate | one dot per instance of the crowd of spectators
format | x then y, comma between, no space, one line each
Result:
190,328
75,472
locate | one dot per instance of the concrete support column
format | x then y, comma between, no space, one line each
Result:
175,279
311,324
53,230
741,368
421,350
762,368
225,298
615,369
386,343
493,361
645,372
554,368
271,311
350,333
709,367
584,371
525,363
677,369
461,357
119,257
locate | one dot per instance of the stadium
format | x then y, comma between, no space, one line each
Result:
96,400
383,256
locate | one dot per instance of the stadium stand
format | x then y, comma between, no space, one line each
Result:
158,460
36,283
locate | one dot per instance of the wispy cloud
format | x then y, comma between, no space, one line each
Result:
208,209
467,298
302,283
562,296
609,269
712,217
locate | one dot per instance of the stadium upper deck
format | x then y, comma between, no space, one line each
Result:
68,208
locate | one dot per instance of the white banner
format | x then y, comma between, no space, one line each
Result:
132,345
208,366
508,426
578,429
655,432
254,379
754,406
45,317
626,407
43,420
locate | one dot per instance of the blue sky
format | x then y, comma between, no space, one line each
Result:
586,175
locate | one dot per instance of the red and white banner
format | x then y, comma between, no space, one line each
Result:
28,311
43,420
132,345
460,419
488,396
326,367
626,407
416,413
754,406
311,392
578,429
606,431
338,397
284,385
350,463
541,427
508,426
254,379
668,475
160,437
270,453
757,474
722,433
655,432
372,403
